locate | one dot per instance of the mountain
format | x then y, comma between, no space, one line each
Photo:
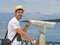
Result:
53,20
39,16
5,17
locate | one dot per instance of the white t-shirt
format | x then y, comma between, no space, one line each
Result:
13,24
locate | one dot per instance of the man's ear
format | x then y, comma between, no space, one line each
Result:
15,13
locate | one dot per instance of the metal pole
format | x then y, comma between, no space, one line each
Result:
42,40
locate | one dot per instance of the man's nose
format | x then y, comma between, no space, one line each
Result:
21,15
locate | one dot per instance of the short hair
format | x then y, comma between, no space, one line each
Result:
19,9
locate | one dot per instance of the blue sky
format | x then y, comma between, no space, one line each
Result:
42,6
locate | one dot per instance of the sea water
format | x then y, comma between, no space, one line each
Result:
52,34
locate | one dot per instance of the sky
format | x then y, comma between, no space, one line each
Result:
42,6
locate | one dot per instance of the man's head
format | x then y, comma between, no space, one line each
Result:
19,10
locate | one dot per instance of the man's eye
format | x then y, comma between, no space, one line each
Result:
20,12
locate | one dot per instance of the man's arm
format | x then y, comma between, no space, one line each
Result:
23,34
26,27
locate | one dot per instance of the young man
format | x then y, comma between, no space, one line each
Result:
14,27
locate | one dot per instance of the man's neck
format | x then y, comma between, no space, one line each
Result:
17,18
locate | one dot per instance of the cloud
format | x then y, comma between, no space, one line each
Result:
31,1
42,6
49,11
6,9
27,0
15,0
8,5
45,10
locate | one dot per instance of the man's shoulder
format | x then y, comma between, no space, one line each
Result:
13,20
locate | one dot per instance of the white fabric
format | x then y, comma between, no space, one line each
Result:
13,24
16,42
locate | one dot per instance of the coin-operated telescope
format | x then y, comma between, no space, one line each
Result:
42,25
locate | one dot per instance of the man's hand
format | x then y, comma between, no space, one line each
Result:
34,42
26,27
28,23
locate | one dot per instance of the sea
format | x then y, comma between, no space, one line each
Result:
52,34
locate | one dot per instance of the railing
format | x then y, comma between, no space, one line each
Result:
47,43
24,42
52,43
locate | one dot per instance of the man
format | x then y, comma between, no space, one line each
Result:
14,27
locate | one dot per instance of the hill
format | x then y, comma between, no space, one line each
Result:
5,17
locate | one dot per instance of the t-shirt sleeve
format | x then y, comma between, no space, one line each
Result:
15,25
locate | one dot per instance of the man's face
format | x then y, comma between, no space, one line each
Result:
19,14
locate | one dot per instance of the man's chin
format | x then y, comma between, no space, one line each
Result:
19,18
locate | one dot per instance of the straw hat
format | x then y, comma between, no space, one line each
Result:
18,7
